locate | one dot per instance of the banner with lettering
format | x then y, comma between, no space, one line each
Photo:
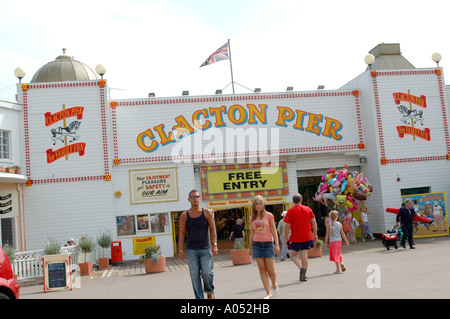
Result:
244,180
8,204
153,185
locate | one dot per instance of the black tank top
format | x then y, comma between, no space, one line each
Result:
197,231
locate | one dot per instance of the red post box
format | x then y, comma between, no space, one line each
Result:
116,253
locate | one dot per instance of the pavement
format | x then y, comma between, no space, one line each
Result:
373,272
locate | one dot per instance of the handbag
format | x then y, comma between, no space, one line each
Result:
355,222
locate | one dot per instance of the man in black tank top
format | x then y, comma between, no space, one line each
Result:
199,225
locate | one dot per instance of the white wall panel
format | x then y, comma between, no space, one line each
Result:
64,210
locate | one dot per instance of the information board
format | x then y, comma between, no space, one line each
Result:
57,273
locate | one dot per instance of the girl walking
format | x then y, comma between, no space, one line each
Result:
262,236
335,233
348,226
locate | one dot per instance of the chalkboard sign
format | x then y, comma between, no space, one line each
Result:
57,274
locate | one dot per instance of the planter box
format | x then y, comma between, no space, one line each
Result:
241,257
315,252
86,269
103,263
159,266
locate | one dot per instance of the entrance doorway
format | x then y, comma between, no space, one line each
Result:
307,187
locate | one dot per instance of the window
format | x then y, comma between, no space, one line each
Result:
154,223
160,223
126,225
142,222
416,190
5,143
7,231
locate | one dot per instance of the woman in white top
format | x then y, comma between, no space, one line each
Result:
365,227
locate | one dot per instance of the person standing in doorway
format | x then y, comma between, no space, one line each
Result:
281,229
238,234
196,222
365,227
299,221
264,244
405,216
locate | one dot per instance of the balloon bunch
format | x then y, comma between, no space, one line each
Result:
343,188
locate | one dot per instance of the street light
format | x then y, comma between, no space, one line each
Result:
369,59
101,70
437,57
20,74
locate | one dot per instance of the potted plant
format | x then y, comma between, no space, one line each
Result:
241,255
317,250
13,169
52,248
3,169
86,245
104,241
153,260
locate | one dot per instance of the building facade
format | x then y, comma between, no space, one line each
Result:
128,165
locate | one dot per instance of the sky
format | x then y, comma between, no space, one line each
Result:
158,45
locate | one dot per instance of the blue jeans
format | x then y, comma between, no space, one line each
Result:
201,266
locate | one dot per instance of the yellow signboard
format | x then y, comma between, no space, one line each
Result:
140,243
244,202
244,180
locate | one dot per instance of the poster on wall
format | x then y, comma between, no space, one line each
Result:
433,206
153,185
140,243
8,204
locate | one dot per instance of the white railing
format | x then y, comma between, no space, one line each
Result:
28,264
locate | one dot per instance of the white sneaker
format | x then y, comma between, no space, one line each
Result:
276,291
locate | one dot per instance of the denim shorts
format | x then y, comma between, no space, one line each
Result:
263,249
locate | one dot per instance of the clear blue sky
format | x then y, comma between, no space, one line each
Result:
158,46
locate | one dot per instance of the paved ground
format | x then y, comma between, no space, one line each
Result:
372,272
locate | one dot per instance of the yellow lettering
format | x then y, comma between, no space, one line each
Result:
196,121
140,141
284,114
332,127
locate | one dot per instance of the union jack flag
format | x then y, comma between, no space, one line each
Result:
219,55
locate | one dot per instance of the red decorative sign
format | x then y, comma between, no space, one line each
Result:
64,151
406,97
63,114
411,115
424,134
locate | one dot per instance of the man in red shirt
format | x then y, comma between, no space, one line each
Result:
299,220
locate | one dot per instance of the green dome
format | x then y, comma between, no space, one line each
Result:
64,68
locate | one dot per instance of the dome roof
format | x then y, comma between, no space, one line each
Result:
64,68
389,57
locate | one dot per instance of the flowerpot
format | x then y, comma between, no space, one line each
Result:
241,257
315,252
159,266
103,263
3,169
86,268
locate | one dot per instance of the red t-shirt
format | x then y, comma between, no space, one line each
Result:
300,217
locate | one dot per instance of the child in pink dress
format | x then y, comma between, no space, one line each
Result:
335,233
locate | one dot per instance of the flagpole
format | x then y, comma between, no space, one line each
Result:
231,65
